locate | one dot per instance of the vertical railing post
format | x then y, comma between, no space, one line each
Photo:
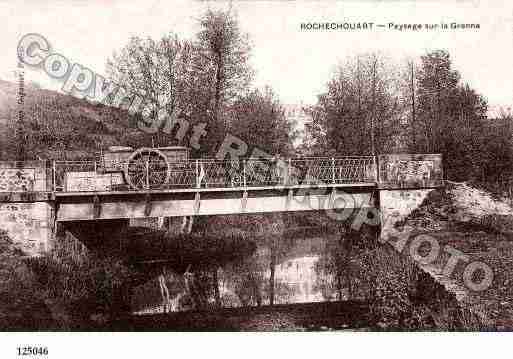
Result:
287,178
54,175
332,170
376,170
147,174
198,184
244,171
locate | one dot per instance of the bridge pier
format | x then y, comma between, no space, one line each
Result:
404,182
397,204
27,213
30,225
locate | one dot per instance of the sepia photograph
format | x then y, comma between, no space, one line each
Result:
254,166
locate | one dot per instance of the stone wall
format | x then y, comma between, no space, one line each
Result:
29,176
400,176
396,205
410,170
91,181
29,225
25,207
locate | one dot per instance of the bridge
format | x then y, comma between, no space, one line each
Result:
38,197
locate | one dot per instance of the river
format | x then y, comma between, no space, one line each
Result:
303,267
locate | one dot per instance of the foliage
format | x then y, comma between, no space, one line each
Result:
258,118
62,127
21,305
205,80
80,287
56,291
198,79
426,109
403,297
160,72
224,54
451,117
496,149
360,100
154,70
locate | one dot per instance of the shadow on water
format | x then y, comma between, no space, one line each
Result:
284,274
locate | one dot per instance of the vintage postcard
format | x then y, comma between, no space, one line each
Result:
253,166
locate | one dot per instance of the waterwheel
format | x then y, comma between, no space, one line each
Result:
147,168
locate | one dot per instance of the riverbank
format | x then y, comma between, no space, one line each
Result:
480,226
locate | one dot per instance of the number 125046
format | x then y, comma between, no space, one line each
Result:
32,351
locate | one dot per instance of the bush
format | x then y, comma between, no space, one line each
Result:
80,291
21,305
403,297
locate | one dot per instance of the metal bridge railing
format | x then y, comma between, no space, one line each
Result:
89,176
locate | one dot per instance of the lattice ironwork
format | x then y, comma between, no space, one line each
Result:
149,170
214,173
263,173
182,175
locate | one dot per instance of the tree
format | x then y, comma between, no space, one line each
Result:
436,81
451,118
157,72
20,134
198,79
359,113
410,125
223,53
259,119
152,69
497,147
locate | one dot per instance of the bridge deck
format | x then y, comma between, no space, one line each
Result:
198,202
219,189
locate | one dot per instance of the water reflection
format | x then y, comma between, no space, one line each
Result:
300,275
284,270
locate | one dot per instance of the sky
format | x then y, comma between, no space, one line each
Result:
296,63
